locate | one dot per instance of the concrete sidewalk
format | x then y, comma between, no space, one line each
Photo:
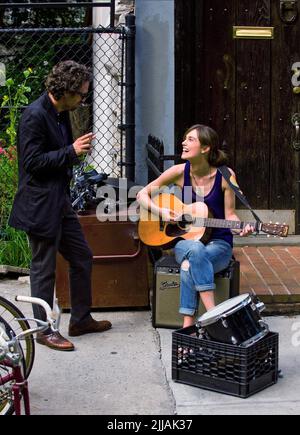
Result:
127,371
281,398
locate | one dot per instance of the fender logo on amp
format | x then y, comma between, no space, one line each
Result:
164,285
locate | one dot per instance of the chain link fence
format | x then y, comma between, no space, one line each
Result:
102,112
32,41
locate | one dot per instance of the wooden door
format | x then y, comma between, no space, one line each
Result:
243,88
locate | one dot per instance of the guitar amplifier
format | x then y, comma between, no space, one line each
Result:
166,294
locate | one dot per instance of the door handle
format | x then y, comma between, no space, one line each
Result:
296,124
288,11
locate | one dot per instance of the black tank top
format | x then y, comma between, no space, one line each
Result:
214,201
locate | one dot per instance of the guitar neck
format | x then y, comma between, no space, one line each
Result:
223,223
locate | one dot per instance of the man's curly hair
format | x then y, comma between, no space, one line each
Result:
67,76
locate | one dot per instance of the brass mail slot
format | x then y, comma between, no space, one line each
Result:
248,32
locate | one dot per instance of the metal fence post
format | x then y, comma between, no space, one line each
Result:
130,97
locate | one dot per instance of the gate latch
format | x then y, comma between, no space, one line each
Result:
288,11
296,124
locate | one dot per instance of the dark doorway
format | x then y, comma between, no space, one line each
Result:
243,88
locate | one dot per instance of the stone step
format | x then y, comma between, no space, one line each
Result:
273,274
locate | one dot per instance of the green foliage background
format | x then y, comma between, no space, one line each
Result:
28,57
14,249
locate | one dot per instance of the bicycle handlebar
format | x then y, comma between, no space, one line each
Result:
37,301
53,316
10,348
41,326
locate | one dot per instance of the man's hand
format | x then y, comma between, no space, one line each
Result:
83,145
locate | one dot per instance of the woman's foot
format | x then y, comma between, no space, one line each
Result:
188,321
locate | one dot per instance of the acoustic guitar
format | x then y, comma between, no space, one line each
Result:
195,223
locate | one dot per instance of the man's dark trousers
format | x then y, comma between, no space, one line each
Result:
71,244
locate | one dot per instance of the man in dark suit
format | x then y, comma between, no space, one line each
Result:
42,207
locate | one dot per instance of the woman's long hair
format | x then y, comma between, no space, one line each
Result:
208,137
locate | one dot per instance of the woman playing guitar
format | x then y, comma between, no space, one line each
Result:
199,181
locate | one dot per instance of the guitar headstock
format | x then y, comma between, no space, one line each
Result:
280,230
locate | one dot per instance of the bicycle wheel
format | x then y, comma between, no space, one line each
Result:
9,312
6,386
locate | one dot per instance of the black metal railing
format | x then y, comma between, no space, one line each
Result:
156,157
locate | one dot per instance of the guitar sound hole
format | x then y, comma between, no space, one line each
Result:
172,230
186,220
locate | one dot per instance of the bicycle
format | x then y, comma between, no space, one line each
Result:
10,314
15,363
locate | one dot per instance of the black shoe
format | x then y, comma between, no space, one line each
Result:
89,327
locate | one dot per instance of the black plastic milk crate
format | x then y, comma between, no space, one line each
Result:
224,368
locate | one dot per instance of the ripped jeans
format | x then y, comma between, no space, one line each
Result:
199,263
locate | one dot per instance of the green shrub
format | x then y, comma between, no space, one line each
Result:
14,249
8,181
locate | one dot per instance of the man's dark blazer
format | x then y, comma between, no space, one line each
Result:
45,170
